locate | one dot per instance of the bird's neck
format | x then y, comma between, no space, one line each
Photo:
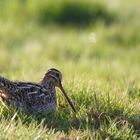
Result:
48,83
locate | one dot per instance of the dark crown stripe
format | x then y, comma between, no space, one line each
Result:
53,69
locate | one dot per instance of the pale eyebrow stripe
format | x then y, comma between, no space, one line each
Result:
53,77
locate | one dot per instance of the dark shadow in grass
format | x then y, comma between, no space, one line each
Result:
63,119
94,115
74,13
59,120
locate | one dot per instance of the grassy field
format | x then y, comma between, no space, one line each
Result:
100,63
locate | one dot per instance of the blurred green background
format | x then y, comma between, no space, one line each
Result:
80,33
95,43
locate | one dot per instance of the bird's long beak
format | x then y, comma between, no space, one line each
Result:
67,97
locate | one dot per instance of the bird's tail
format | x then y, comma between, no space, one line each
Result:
7,87
7,84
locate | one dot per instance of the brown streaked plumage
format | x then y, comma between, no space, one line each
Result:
34,97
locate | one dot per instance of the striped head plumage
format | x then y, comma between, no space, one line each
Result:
55,76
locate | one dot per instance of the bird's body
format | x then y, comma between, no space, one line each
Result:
33,97
27,96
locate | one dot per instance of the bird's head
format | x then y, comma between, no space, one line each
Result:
55,76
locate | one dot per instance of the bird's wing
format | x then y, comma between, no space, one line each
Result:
34,94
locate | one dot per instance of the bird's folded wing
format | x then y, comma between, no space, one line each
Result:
32,93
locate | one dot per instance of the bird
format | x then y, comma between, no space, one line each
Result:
34,97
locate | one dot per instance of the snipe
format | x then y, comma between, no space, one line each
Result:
34,97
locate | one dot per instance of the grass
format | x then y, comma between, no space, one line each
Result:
100,65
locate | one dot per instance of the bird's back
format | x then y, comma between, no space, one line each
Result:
28,95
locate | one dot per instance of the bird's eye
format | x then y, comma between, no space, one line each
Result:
57,75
